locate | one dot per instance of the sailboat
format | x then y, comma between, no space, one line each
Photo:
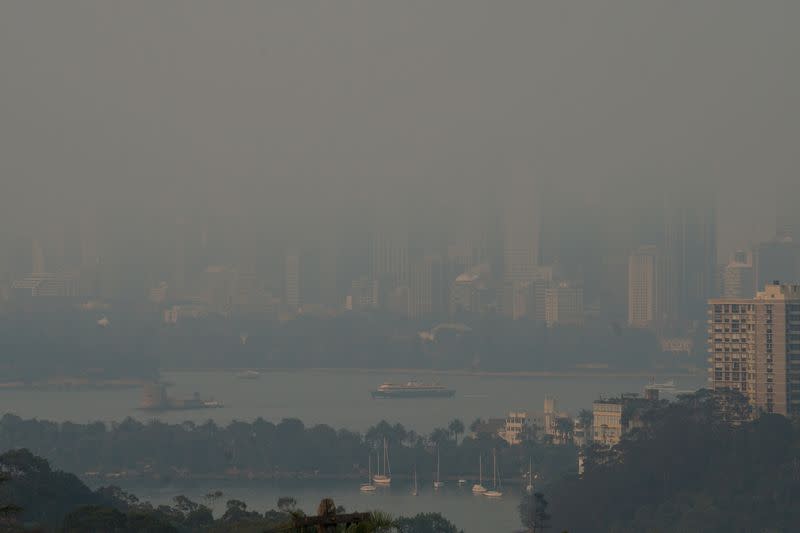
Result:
415,490
529,486
478,488
438,483
494,493
368,486
386,477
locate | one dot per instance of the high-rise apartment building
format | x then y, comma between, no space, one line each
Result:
642,287
754,347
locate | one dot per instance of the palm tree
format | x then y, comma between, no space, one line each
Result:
456,427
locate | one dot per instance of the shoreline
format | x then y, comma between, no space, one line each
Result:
82,383
454,372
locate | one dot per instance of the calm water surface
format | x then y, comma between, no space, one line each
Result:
337,398
473,514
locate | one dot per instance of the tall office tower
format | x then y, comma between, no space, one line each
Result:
37,257
427,291
179,259
88,236
459,259
642,287
520,231
754,347
329,274
564,305
389,258
291,280
420,294
526,299
688,258
777,259
787,210
738,277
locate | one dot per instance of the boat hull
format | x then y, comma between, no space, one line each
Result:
411,393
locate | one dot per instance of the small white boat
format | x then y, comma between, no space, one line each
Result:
438,483
478,488
494,493
368,487
384,478
462,482
249,374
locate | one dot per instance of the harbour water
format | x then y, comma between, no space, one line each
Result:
472,513
338,398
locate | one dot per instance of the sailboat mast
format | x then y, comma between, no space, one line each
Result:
388,470
437,463
494,469
480,469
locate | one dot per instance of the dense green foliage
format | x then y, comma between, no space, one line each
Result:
266,449
57,501
690,468
44,495
425,523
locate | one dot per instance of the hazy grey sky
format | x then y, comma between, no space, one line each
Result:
290,107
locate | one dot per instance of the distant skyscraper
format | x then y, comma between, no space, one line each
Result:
526,299
688,258
787,215
37,260
88,239
389,258
564,305
738,277
642,287
328,274
753,345
292,280
179,264
470,292
777,260
521,231
426,287
363,294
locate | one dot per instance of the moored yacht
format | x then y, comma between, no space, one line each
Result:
478,488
